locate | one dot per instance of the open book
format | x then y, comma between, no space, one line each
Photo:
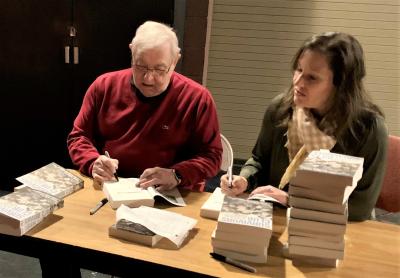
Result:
126,192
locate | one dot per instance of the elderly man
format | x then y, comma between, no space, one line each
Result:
155,123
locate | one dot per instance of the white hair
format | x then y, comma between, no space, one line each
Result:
152,34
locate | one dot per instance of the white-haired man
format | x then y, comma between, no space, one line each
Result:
155,123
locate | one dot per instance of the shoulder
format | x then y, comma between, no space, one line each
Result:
187,88
273,107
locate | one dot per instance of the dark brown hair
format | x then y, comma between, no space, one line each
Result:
351,102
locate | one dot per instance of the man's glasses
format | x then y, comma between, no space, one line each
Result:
156,72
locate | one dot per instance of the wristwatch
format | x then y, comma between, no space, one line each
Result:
177,176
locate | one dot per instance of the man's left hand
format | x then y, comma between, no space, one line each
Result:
161,178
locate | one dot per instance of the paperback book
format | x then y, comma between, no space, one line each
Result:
133,232
22,210
52,179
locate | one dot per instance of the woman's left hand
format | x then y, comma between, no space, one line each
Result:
273,192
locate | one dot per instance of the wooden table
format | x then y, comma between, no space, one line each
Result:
372,248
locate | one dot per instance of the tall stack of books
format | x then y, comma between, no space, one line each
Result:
318,196
243,230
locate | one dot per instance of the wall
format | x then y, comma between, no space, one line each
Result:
252,43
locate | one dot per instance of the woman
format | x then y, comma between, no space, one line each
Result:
325,107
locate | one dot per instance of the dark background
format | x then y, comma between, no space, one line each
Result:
40,93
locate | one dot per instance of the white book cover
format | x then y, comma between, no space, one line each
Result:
126,192
324,169
247,216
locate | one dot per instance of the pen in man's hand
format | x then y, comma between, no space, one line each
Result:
115,173
98,206
230,177
230,261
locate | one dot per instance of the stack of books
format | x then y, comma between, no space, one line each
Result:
243,230
42,191
318,196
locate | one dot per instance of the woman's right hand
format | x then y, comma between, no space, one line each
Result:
239,185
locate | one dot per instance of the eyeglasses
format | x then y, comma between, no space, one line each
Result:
156,72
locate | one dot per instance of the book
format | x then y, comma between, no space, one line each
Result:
239,245
325,170
262,258
312,204
133,232
314,227
127,193
22,210
52,179
301,260
329,195
236,237
170,225
316,242
320,216
212,206
315,252
252,218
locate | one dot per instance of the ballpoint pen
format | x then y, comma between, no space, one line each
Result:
230,176
230,261
98,206
115,173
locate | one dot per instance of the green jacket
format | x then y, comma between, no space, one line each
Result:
270,159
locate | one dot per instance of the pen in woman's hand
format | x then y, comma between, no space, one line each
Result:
115,173
230,177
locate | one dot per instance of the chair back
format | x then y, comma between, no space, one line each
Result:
389,198
227,154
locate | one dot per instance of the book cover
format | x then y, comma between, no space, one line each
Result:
21,210
133,232
320,216
316,242
323,169
312,204
52,179
127,193
245,216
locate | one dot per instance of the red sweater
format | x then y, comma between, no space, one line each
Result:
177,129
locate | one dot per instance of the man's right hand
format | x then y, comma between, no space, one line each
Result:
104,169
239,185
